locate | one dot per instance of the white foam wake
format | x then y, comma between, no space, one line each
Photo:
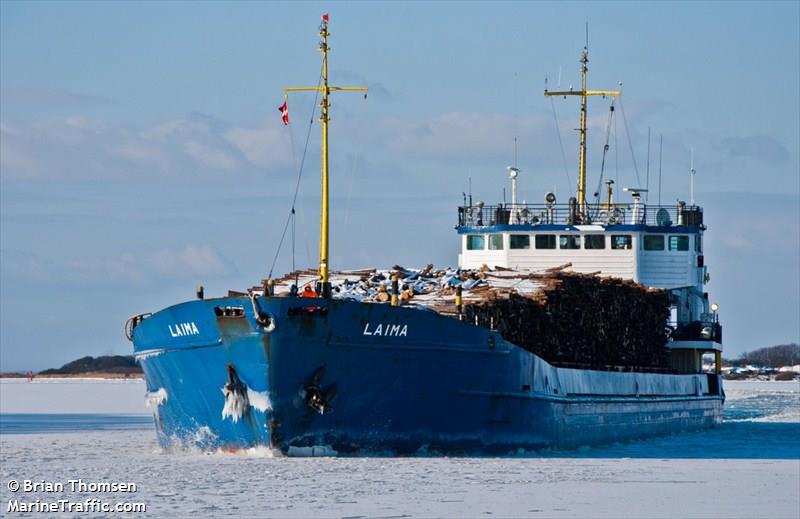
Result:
155,399
235,404
259,400
785,416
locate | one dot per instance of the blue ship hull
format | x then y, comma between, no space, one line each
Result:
292,373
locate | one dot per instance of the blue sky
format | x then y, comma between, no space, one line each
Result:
142,154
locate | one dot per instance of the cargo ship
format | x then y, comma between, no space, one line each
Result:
562,325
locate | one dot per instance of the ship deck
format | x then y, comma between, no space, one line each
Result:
428,287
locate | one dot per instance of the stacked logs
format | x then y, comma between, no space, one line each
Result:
585,321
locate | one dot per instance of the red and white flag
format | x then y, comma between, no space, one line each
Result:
325,17
284,110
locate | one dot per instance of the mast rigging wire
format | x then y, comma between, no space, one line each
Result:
660,152
561,146
630,144
353,166
605,150
516,118
616,153
302,209
290,218
647,182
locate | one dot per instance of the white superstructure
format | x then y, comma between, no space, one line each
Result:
661,247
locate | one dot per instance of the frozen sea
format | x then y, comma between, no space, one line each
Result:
101,431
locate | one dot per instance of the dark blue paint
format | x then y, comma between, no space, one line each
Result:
443,386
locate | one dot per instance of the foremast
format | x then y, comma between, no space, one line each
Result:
584,93
325,90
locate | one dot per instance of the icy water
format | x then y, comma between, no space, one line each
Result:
100,431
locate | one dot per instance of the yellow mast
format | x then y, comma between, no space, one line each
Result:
324,118
584,94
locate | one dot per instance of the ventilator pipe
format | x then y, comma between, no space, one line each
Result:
199,292
573,210
394,289
459,290
681,212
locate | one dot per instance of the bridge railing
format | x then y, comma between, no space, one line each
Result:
479,215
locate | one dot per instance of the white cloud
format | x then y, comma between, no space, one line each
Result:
48,96
83,147
210,157
139,152
454,134
759,147
258,144
187,262
481,135
196,145
190,261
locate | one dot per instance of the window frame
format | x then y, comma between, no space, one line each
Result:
677,238
628,242
493,240
567,238
551,240
511,238
586,241
649,237
482,239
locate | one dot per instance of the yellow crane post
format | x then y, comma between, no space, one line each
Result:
326,90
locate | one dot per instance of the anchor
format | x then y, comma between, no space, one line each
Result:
237,404
234,384
316,398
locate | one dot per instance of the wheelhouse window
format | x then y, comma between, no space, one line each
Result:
621,241
520,241
475,242
594,241
679,243
545,241
569,241
698,243
495,242
653,242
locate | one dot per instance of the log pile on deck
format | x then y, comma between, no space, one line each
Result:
568,319
582,321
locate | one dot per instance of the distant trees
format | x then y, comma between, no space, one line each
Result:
771,356
109,364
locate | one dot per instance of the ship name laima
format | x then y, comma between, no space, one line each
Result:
387,330
183,329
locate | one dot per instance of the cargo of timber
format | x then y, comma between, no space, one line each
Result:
562,325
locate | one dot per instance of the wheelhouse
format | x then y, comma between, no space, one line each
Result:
658,246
